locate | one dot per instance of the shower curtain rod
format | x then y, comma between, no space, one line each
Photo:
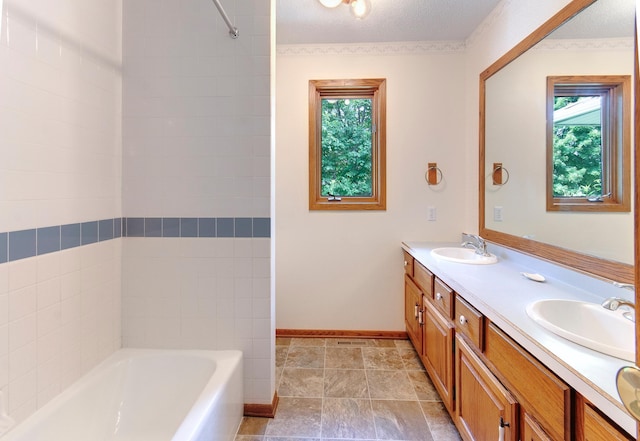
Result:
233,31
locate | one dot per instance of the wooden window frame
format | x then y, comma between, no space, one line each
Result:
354,88
616,141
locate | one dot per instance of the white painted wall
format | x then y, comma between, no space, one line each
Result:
196,140
343,270
60,144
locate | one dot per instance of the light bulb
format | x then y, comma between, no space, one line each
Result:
360,8
330,3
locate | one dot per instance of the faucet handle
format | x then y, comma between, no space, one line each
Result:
628,286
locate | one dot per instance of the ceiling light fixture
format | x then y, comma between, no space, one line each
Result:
359,8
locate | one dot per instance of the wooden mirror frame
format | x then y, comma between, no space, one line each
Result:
603,268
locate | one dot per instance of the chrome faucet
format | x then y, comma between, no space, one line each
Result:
476,242
613,303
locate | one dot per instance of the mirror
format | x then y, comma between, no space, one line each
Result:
586,37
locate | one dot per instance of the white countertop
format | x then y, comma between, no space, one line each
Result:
501,293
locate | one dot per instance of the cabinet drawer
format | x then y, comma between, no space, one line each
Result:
408,263
443,298
596,427
469,321
423,278
544,396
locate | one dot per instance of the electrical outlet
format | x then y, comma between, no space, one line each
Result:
431,214
497,214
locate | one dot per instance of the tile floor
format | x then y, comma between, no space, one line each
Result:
363,389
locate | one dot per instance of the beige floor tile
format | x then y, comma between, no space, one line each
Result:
296,341
305,357
423,386
439,421
351,390
344,358
347,418
345,383
281,355
390,385
383,343
253,426
403,344
382,358
249,438
289,438
296,417
396,420
411,359
297,382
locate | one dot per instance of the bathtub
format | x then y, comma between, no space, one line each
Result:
145,395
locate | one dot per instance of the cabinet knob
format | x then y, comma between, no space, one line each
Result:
406,263
463,320
438,296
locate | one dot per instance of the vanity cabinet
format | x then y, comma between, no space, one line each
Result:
418,282
492,387
413,312
541,393
438,352
484,407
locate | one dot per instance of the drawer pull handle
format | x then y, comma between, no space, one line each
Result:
463,320
438,296
406,263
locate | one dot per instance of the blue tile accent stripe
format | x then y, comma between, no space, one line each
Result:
22,244
196,227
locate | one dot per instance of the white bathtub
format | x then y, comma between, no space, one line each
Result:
145,395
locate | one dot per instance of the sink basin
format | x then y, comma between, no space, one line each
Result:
463,255
587,324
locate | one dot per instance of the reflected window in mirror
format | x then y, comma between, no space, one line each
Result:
588,142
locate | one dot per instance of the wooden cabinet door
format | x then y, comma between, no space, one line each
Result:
438,358
482,403
413,312
597,428
531,430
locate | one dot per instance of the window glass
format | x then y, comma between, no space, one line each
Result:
577,146
588,143
347,145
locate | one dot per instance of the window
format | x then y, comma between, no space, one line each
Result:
347,144
588,143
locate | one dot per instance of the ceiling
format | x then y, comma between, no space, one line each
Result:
308,22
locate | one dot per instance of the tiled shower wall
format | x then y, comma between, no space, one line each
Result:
60,197
196,140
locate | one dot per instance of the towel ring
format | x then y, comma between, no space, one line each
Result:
500,168
432,179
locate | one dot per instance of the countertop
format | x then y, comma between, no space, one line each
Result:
501,293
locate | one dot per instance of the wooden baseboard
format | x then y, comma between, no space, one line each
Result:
262,410
336,333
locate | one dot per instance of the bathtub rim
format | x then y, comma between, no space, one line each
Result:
229,359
